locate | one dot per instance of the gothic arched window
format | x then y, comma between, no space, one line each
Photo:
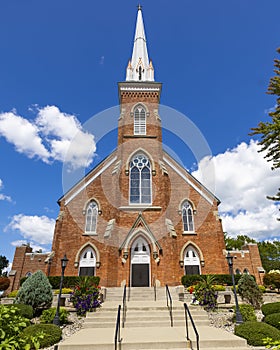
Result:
139,120
140,180
91,217
187,217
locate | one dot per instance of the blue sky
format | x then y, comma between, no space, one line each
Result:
60,63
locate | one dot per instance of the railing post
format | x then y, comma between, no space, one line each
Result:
187,312
118,329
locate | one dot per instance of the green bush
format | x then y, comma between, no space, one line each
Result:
13,294
256,332
35,291
249,291
270,308
188,280
273,320
49,314
71,281
262,288
23,310
247,312
11,326
51,333
272,279
219,288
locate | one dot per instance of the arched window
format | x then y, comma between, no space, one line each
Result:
91,217
140,180
237,272
246,271
87,263
187,217
139,120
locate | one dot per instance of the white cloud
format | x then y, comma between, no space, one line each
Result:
39,229
35,247
49,137
4,197
243,180
23,135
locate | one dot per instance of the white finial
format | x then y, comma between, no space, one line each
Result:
139,68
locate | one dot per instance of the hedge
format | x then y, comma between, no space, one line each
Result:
68,281
270,308
273,320
256,332
189,280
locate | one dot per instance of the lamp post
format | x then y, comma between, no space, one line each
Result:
229,258
64,262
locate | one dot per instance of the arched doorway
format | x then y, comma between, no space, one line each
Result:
87,263
140,263
191,261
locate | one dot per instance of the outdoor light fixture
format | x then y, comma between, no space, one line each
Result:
98,264
153,172
99,212
155,255
229,258
64,262
202,263
181,262
125,255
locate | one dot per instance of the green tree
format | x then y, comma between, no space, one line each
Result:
35,291
4,262
270,255
238,242
270,131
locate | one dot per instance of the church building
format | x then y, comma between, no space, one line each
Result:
138,217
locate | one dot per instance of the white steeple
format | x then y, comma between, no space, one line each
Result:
139,67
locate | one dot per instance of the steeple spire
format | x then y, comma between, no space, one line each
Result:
139,67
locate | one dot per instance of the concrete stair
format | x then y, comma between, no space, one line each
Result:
147,326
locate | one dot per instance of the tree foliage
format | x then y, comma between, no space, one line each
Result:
249,291
270,131
238,242
35,291
4,262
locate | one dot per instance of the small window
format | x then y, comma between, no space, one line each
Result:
28,274
139,121
237,272
91,217
187,217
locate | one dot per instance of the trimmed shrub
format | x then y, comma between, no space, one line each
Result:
71,281
249,291
262,288
256,332
4,283
51,333
219,288
273,320
64,291
13,294
188,280
270,308
23,310
35,291
49,314
247,312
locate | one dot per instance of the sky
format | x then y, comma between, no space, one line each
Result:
60,62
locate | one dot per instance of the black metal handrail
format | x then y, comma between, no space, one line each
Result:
118,338
124,306
169,304
128,295
187,312
155,288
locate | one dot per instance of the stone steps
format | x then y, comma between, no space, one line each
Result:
147,326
